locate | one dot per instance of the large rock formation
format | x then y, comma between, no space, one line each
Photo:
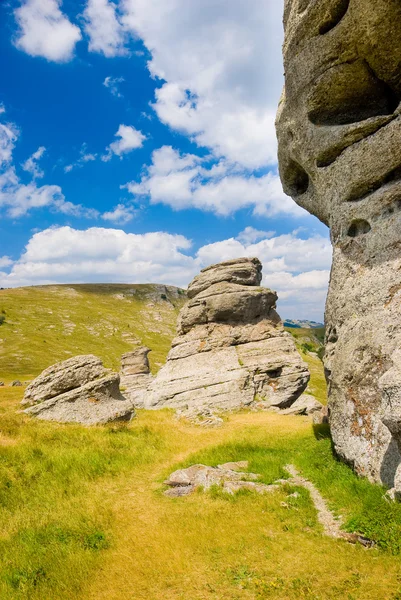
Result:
78,390
231,349
339,132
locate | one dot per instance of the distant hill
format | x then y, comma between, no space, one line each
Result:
44,324
302,324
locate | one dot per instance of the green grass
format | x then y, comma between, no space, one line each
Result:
83,515
46,324
310,346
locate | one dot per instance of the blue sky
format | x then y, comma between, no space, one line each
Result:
137,144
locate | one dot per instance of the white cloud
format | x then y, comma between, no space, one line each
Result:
222,70
2,108
5,261
31,164
129,139
120,214
297,268
112,83
64,255
181,181
251,235
17,198
104,29
84,157
45,31
8,137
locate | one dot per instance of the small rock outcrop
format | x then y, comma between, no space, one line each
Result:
339,131
231,350
228,476
135,375
78,390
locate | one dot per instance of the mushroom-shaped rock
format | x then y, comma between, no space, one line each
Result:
231,349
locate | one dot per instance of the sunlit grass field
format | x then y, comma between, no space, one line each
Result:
82,510
45,324
83,515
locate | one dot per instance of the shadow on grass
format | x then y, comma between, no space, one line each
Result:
321,431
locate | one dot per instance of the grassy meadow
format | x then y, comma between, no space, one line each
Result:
83,515
82,510
46,324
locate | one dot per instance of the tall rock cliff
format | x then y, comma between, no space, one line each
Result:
231,350
339,133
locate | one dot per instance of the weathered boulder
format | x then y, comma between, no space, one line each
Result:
78,390
339,131
135,375
244,271
62,377
231,350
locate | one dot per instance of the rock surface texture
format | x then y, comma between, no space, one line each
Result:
231,350
135,375
339,132
78,390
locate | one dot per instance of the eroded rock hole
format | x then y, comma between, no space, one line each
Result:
365,189
296,179
274,373
358,227
367,96
336,14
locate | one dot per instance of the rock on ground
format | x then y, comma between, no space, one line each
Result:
78,390
340,159
135,375
305,405
228,476
231,350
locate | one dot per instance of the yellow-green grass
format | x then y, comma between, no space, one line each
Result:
50,323
83,515
310,346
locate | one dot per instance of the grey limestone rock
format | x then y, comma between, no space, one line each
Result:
245,271
135,375
339,133
231,350
78,390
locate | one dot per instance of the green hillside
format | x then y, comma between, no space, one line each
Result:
42,325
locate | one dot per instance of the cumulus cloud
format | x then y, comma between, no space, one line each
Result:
2,108
251,235
45,31
104,29
297,268
112,83
120,214
223,90
64,255
129,139
5,261
181,181
31,164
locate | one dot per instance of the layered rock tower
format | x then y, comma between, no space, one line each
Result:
231,350
339,132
